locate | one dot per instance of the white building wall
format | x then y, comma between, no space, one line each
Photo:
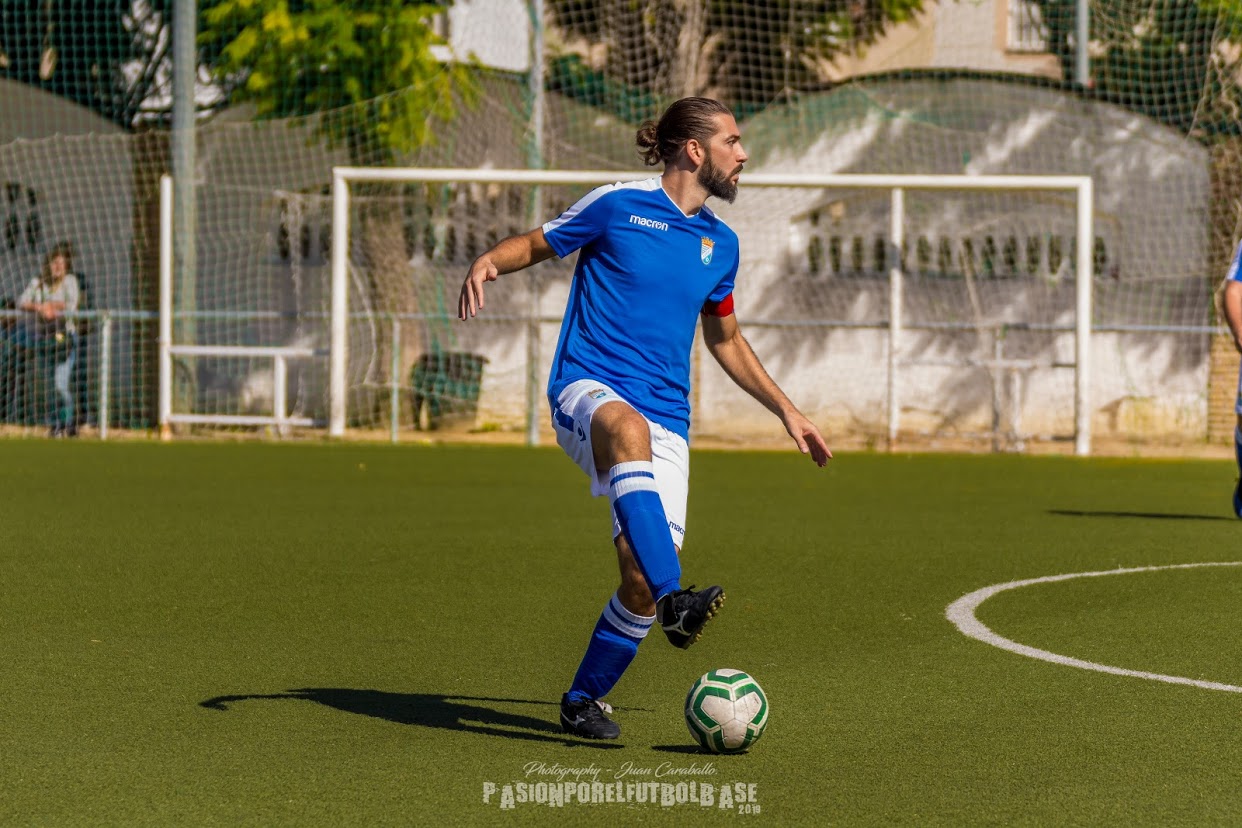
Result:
495,32
950,34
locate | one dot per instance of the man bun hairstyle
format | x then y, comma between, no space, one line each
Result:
684,119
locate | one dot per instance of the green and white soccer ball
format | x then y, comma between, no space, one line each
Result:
726,711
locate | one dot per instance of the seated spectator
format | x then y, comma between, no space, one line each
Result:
9,363
52,298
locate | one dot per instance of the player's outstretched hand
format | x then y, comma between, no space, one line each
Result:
471,301
808,438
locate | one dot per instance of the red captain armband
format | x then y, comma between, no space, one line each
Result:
722,308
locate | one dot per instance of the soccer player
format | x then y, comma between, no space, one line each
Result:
652,259
1232,303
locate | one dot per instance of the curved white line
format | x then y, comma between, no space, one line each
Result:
962,613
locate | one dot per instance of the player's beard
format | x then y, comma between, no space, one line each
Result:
716,182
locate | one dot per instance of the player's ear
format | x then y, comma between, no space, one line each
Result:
694,151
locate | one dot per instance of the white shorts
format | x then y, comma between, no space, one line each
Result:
670,456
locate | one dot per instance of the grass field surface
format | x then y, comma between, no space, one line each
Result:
307,634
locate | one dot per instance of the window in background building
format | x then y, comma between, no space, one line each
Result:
1026,27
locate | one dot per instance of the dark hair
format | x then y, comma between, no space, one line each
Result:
684,119
62,250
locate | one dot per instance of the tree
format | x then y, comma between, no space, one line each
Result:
1176,61
365,75
102,54
367,69
1167,59
750,52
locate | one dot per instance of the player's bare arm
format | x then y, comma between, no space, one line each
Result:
724,340
1232,305
47,310
1233,311
513,253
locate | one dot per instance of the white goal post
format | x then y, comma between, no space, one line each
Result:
1080,187
168,348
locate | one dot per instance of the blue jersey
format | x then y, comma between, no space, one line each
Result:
1235,265
645,272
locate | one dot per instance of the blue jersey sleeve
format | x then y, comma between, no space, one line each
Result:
582,223
1235,265
725,287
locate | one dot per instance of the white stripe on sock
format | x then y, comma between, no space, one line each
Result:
621,488
631,466
635,626
633,618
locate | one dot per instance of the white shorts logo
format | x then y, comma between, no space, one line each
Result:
572,412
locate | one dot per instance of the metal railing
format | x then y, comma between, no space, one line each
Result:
106,321
102,338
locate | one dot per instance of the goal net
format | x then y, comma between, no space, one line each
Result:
888,307
987,344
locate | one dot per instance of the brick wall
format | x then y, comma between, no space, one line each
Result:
1222,390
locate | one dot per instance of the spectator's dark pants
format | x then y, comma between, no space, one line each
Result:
36,375
57,363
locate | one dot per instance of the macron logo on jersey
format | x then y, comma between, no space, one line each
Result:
646,222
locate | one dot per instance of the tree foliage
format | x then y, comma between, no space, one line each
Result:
102,54
366,68
1174,60
746,51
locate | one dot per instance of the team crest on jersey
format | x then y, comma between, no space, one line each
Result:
706,247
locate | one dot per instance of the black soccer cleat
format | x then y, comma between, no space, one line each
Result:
587,719
683,614
1237,499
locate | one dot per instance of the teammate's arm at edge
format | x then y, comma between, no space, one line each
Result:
1232,306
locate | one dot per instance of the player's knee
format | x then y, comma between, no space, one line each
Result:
619,434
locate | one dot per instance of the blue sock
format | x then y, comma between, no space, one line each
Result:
1237,453
632,490
614,643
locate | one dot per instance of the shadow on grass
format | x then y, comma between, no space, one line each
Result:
460,713
1148,515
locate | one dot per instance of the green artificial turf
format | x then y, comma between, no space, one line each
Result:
367,635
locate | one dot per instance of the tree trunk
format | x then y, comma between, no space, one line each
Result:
391,290
150,161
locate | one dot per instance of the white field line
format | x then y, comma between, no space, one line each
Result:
962,613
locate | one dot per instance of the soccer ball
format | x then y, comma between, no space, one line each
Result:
726,711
